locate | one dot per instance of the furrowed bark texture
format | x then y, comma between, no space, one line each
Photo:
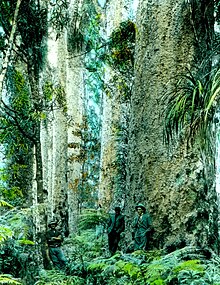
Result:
172,35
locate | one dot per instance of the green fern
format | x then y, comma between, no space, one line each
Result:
155,272
127,268
5,204
188,277
90,218
97,266
54,277
26,242
5,233
8,279
194,265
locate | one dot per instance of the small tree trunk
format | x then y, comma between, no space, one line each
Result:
10,47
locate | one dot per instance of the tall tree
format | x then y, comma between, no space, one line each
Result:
172,36
10,44
28,56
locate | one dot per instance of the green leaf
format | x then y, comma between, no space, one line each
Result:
5,204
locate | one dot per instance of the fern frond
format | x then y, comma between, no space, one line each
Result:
90,218
8,279
5,233
26,242
5,204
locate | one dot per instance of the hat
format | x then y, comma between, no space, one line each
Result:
117,209
140,206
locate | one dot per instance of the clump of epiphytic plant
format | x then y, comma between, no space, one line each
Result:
191,108
121,46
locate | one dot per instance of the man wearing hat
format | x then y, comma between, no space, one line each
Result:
54,240
116,225
141,225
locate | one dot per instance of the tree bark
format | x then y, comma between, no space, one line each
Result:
10,47
173,185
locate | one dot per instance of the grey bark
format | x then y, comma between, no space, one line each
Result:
10,47
172,35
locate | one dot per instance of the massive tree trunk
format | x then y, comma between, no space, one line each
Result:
115,115
61,135
172,35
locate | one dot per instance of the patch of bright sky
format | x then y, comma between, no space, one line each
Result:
135,5
133,9
102,3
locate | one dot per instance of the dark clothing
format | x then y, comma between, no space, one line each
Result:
57,256
55,252
141,225
116,225
52,242
113,241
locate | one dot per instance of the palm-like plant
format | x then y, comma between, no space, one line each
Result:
191,109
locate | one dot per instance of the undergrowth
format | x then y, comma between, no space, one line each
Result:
90,264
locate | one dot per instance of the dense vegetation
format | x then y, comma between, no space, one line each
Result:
89,261
26,104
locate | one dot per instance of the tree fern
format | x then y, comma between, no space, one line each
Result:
90,218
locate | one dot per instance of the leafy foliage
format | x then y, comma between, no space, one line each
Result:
8,279
217,10
58,15
120,54
90,218
18,254
190,264
191,109
5,233
54,96
88,264
16,135
83,27
54,277
168,269
5,204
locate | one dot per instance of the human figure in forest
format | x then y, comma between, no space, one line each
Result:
141,228
99,231
54,240
115,226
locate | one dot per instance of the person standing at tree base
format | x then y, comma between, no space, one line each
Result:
142,226
116,225
54,240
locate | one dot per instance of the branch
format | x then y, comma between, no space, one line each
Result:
10,47
16,123
88,51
